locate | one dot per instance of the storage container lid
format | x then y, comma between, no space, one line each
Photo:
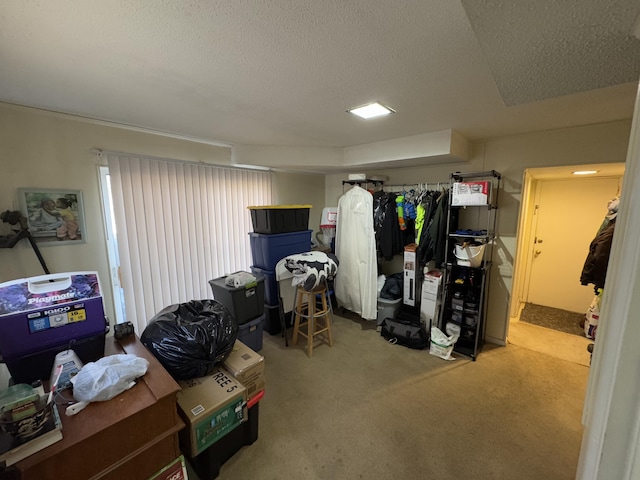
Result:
287,207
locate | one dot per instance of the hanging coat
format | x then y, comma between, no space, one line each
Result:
356,281
385,225
434,235
595,266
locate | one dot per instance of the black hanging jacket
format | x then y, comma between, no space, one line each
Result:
385,224
595,266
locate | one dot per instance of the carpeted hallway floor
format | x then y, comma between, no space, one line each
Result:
554,318
366,409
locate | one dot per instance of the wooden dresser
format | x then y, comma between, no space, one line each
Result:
131,436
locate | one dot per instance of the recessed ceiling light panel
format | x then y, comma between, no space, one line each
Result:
371,110
585,172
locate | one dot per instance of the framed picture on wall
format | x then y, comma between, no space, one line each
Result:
54,216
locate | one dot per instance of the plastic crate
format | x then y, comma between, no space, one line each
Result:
208,463
250,333
268,250
270,285
272,219
272,319
387,308
243,303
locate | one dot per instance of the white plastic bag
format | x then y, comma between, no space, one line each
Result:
240,279
441,345
109,376
381,280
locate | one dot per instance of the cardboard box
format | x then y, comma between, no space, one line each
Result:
211,406
470,193
176,470
247,367
14,448
429,307
410,289
431,282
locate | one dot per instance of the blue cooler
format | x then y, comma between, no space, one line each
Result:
42,316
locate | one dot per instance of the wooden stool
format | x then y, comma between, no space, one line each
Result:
313,312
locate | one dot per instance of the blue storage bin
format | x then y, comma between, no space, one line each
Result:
250,333
270,285
268,249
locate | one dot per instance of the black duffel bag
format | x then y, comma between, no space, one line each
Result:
405,331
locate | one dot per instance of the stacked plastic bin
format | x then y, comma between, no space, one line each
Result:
217,425
278,231
246,305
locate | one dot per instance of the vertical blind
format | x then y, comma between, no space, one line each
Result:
179,225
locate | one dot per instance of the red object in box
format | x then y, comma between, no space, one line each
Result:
176,470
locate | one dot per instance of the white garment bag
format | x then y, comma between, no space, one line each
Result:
356,282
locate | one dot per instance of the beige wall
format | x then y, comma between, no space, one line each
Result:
301,189
604,143
47,150
41,149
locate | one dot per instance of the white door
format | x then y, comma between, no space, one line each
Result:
112,246
567,217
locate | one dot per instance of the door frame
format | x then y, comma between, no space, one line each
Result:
112,245
522,260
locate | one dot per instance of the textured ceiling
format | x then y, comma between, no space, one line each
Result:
283,73
556,48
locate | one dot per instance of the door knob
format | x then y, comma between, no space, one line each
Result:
538,252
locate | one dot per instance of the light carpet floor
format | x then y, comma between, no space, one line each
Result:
366,409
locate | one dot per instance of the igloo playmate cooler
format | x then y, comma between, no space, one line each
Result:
42,316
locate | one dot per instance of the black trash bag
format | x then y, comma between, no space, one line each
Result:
190,339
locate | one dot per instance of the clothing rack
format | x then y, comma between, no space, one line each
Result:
365,182
416,186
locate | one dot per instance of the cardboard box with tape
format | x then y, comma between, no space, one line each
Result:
211,406
247,367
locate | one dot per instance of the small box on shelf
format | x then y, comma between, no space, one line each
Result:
470,193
